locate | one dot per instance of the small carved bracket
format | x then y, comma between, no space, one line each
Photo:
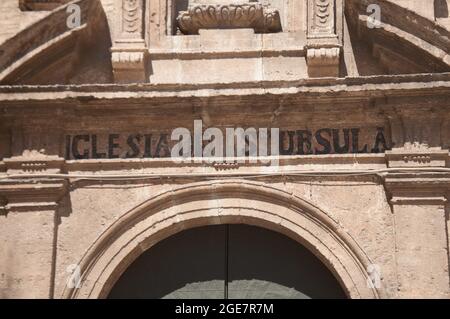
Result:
323,62
129,66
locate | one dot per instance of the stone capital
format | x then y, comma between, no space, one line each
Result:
31,194
417,188
26,186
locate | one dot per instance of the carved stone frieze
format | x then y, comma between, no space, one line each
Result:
231,16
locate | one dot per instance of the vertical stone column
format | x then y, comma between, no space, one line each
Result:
421,244
129,52
323,45
28,227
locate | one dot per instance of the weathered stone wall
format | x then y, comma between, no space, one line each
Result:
363,183
13,20
360,207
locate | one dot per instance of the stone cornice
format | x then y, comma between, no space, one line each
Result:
372,86
372,161
417,188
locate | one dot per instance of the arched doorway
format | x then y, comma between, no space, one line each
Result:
222,202
227,261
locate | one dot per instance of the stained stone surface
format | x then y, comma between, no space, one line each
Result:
87,182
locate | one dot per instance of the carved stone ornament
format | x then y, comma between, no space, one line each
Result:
323,62
129,56
323,56
321,20
232,16
132,16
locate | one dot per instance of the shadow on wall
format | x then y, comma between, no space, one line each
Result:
441,9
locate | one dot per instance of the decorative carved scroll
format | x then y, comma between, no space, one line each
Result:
132,17
233,16
129,56
321,20
323,45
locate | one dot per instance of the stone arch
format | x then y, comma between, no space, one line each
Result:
403,41
222,202
50,51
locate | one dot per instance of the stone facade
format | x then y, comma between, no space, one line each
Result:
87,113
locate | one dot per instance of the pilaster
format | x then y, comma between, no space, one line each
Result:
129,52
28,224
323,45
419,200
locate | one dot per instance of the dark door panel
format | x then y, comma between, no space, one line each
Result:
190,264
227,261
265,264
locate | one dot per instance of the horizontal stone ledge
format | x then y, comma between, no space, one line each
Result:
442,175
225,53
408,82
326,94
313,160
31,189
438,200
30,207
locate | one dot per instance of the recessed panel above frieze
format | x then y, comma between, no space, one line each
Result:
263,16
231,14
